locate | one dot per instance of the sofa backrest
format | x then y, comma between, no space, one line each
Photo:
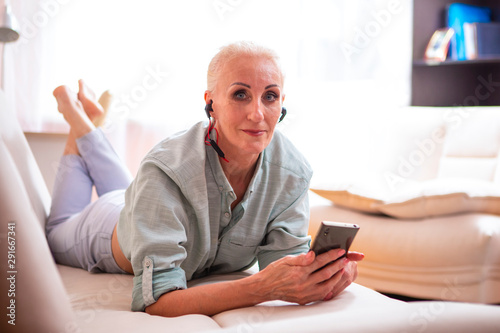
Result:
32,290
21,157
424,143
472,147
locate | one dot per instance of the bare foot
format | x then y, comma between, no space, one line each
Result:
73,112
92,107
105,100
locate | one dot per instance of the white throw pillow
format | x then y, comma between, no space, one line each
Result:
419,199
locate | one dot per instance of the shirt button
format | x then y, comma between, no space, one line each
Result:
148,263
226,214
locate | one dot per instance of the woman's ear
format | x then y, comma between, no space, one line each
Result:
208,96
208,104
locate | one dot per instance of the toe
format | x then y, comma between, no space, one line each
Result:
61,92
84,91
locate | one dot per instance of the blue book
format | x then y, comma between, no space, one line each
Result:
488,40
458,14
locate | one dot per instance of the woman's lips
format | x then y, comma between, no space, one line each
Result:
254,132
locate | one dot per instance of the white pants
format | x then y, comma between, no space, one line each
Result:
79,231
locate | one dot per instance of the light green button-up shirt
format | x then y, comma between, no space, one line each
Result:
177,223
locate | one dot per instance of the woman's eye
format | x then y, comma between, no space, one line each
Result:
270,97
240,95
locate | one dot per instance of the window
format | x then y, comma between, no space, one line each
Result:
340,56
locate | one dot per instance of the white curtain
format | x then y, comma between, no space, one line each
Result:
28,64
343,58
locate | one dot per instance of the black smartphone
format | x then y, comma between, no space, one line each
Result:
334,235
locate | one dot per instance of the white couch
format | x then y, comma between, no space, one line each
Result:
53,298
428,206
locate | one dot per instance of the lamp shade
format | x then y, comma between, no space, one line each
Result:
8,30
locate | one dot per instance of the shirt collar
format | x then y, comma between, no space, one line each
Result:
220,177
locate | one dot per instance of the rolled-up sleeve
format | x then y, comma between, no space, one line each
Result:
151,234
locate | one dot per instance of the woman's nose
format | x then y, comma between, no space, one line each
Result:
256,113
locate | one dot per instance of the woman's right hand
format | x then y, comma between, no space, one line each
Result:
304,278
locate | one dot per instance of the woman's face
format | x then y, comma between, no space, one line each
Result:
247,105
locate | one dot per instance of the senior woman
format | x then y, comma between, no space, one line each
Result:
214,199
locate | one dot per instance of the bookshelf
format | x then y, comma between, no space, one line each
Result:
450,82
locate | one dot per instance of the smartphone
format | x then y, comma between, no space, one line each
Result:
334,235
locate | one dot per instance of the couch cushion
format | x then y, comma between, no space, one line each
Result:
353,299
418,199
444,197
101,303
351,195
412,317
472,146
408,144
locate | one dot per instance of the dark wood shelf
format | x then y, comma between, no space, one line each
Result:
450,82
423,62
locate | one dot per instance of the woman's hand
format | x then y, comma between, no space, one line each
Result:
301,279
305,278
349,274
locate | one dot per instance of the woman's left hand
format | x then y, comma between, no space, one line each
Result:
349,274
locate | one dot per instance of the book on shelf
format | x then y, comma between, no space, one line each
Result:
482,40
458,15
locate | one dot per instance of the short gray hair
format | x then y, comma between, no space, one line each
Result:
233,50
